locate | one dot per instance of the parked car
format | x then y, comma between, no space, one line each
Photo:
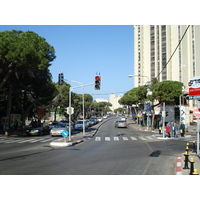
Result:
53,124
99,119
67,122
38,129
58,129
92,122
79,125
121,124
95,119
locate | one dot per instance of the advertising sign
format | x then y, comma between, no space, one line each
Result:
194,85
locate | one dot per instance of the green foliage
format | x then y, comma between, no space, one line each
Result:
166,91
134,96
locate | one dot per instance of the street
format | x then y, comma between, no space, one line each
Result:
112,151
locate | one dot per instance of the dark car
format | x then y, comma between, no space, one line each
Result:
38,129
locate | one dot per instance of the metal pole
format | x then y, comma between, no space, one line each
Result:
180,108
83,112
197,136
163,128
70,113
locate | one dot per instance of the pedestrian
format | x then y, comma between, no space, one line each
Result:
176,129
160,128
172,129
167,129
15,124
182,129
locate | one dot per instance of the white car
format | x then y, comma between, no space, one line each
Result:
99,119
79,125
58,129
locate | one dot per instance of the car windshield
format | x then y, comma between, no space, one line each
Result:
60,126
79,122
121,121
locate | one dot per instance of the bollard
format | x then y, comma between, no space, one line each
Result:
186,160
195,172
187,149
194,147
191,166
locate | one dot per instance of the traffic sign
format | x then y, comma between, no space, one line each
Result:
70,110
65,133
196,113
193,97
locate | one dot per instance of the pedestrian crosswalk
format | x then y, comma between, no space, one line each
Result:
124,138
10,140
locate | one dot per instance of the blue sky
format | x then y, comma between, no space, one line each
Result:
83,50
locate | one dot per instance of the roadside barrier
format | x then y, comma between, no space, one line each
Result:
191,166
186,160
193,171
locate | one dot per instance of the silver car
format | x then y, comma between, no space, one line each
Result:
58,129
121,124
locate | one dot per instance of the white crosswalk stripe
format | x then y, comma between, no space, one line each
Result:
23,140
125,138
133,138
142,138
107,138
98,139
116,138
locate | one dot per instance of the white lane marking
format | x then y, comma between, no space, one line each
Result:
125,138
107,138
142,138
36,140
116,139
47,140
133,138
98,139
149,137
26,140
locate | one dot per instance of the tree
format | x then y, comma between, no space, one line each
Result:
24,61
165,91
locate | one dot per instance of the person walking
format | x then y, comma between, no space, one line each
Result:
182,129
176,129
167,128
172,129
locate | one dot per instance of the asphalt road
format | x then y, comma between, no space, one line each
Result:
112,151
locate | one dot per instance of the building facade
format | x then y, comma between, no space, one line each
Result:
155,55
113,99
155,44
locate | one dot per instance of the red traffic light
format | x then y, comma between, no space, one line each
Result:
97,78
97,83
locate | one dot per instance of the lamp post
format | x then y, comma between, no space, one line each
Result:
81,84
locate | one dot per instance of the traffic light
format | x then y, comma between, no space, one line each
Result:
60,78
97,83
166,113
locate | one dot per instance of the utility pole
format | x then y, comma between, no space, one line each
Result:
163,119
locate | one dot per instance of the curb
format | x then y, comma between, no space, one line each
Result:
179,165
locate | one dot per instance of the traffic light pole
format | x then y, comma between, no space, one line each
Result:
163,128
71,88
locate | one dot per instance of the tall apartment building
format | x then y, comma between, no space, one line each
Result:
113,99
155,44
153,47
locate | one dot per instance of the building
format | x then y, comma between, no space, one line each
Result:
154,46
113,99
101,100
